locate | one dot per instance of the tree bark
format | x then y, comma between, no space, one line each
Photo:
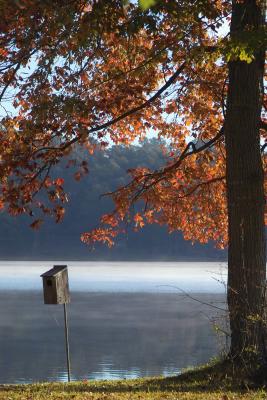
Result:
245,197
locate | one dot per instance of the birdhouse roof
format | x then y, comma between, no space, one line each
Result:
54,271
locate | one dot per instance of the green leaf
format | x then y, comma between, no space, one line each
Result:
145,4
244,45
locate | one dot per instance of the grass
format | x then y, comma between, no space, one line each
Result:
204,383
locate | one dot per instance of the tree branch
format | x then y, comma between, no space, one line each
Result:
19,63
113,121
217,179
155,177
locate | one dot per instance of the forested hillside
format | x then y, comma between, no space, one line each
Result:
107,171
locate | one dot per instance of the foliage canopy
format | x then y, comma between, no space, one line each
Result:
89,73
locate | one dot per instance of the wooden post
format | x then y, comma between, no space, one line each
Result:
67,339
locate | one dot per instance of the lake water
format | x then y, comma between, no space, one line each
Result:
126,320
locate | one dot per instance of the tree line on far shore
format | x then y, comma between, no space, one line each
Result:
107,170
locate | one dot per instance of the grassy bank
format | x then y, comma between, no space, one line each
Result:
200,384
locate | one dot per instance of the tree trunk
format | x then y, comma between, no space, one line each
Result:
245,197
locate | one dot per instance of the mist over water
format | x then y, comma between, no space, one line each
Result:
159,277
126,320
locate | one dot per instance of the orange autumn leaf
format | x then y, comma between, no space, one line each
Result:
36,224
139,221
59,182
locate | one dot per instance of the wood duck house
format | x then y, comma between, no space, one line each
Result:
56,285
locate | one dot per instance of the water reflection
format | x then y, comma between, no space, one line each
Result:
112,335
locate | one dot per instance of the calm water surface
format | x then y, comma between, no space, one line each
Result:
126,320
